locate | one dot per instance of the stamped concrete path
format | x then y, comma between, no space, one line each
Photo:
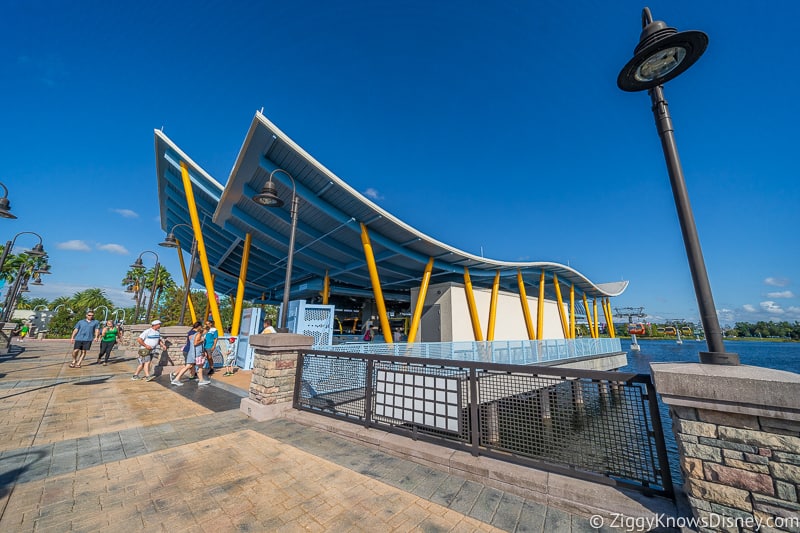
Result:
90,450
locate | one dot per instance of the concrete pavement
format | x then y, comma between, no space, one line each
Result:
88,449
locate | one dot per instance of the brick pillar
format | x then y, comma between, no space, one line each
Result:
738,435
274,367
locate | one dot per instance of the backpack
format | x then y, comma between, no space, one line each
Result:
188,344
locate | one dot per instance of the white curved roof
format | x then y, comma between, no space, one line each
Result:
328,233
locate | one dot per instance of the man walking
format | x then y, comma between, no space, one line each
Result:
149,339
82,335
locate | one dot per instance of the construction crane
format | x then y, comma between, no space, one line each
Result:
630,313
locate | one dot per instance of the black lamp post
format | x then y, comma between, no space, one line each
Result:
19,286
268,197
5,205
138,264
171,242
37,251
662,54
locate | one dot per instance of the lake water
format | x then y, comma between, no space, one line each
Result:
777,355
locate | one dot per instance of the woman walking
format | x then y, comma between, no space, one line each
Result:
108,338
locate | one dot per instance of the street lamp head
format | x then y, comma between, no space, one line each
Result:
44,269
662,54
5,205
37,250
169,241
37,281
138,263
268,197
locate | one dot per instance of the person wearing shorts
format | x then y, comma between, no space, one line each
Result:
202,354
149,339
230,357
82,335
194,345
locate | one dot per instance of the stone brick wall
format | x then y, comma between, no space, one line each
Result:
738,435
274,366
738,465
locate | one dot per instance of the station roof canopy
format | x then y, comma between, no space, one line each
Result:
329,233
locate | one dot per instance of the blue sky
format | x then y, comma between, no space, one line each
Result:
496,127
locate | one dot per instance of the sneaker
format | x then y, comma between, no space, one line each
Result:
105,364
193,377
206,382
135,378
228,374
176,383
172,376
149,378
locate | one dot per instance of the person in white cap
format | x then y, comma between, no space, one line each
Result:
149,339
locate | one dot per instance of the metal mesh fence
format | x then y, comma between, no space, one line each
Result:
587,424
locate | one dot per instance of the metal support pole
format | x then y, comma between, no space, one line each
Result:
6,251
186,291
708,315
12,294
152,293
287,286
139,298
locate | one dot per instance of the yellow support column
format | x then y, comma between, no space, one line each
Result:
596,318
540,310
208,301
526,310
572,311
326,288
493,307
609,317
473,310
423,293
560,306
589,320
201,245
237,308
376,285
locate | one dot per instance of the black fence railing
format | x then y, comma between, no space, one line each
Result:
601,426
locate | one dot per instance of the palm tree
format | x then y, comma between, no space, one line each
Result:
66,301
163,283
90,299
24,303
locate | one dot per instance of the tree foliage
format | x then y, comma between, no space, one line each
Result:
782,330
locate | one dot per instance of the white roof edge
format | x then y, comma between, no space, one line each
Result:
189,161
610,289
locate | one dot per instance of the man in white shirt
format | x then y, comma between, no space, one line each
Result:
149,339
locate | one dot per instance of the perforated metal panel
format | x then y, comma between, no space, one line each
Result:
314,320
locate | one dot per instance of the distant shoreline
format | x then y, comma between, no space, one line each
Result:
692,339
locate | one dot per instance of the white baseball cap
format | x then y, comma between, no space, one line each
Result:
155,322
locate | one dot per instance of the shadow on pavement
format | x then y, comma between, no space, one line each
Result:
8,478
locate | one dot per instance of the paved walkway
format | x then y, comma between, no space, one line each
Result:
88,449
